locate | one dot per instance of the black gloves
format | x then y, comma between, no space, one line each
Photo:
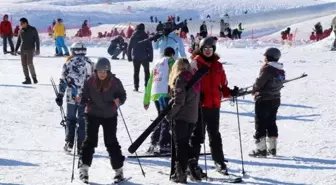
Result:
59,99
234,92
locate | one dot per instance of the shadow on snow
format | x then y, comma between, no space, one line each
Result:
10,162
282,104
21,86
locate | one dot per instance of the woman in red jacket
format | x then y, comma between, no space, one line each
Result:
214,86
6,34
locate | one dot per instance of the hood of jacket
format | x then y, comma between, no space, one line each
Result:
276,65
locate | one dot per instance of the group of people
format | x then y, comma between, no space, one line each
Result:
225,30
7,33
193,111
318,33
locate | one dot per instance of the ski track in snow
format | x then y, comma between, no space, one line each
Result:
31,138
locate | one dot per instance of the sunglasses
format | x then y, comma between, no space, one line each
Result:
208,49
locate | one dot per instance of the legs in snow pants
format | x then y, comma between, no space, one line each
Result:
110,139
209,119
334,45
137,65
114,51
265,118
60,44
27,63
161,135
9,38
181,134
75,114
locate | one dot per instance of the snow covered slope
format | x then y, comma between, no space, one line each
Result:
42,12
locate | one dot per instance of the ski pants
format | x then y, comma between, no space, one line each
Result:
75,114
137,65
10,40
114,52
204,34
60,45
161,135
208,119
27,63
181,134
334,45
265,118
113,148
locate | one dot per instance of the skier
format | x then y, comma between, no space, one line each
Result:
319,31
29,44
141,53
240,30
184,115
203,30
157,91
266,91
222,28
75,71
103,93
115,47
59,34
214,86
6,33
333,24
170,39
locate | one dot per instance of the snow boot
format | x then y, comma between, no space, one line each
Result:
194,170
68,147
115,58
179,176
221,168
28,81
151,149
67,54
35,80
59,55
119,175
271,146
261,149
84,173
136,90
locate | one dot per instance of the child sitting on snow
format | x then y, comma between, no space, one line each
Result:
266,91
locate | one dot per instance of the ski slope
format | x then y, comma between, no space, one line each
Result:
31,138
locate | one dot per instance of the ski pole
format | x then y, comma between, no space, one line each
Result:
74,155
205,157
129,136
240,141
61,107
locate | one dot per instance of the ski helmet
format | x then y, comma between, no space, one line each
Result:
78,48
273,54
208,41
103,64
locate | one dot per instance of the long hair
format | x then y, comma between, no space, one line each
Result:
180,65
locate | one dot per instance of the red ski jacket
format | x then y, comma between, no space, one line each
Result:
6,28
213,84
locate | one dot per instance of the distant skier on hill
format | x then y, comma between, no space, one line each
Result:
75,71
266,91
333,23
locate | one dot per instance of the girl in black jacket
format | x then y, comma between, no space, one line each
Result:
103,93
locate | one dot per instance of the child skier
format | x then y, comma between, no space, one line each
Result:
266,90
184,115
75,71
157,91
103,93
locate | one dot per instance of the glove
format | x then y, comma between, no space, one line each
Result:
59,99
234,92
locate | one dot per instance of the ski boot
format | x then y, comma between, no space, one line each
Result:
221,168
194,170
261,149
84,173
179,176
59,55
119,175
151,149
68,147
115,58
136,89
28,81
271,146
67,54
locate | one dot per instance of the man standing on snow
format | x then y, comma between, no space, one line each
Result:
170,39
59,34
203,30
76,70
29,42
141,53
6,34
333,23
